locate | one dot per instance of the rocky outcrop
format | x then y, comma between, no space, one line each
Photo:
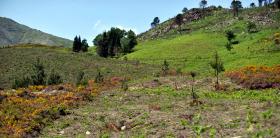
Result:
190,16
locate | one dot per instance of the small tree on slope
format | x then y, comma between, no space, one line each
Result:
179,20
218,67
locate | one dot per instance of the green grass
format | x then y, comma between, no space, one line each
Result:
193,51
188,51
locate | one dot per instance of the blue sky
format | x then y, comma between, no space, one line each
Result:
67,18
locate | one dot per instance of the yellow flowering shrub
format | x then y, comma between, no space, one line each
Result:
26,110
257,77
36,88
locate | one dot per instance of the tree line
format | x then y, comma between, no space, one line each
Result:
115,42
80,45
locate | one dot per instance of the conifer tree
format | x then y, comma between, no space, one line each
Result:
75,44
84,46
79,45
179,21
236,5
218,67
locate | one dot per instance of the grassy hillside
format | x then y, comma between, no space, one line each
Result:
153,104
17,62
193,50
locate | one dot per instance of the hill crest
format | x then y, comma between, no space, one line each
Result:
13,33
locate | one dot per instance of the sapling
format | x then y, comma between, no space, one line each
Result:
218,67
165,68
124,84
194,95
80,77
99,78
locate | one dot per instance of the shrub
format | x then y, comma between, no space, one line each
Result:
253,77
54,78
235,42
38,78
99,77
23,112
230,35
165,68
22,83
80,77
229,46
252,27
124,84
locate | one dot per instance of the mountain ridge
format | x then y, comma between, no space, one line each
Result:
13,33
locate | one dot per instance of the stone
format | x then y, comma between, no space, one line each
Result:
61,132
123,128
88,133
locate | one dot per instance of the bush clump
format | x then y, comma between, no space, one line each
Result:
254,77
37,77
54,78
21,82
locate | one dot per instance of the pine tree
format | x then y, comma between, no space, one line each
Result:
193,75
115,42
236,5
155,22
185,10
79,45
165,68
84,46
277,3
102,44
132,40
179,21
260,3
203,4
75,44
218,66
252,5
230,35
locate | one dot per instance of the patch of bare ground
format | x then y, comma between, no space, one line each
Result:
163,111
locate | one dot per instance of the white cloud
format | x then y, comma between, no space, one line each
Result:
97,23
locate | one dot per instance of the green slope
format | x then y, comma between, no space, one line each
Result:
17,61
193,50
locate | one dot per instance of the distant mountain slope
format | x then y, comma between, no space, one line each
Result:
13,33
